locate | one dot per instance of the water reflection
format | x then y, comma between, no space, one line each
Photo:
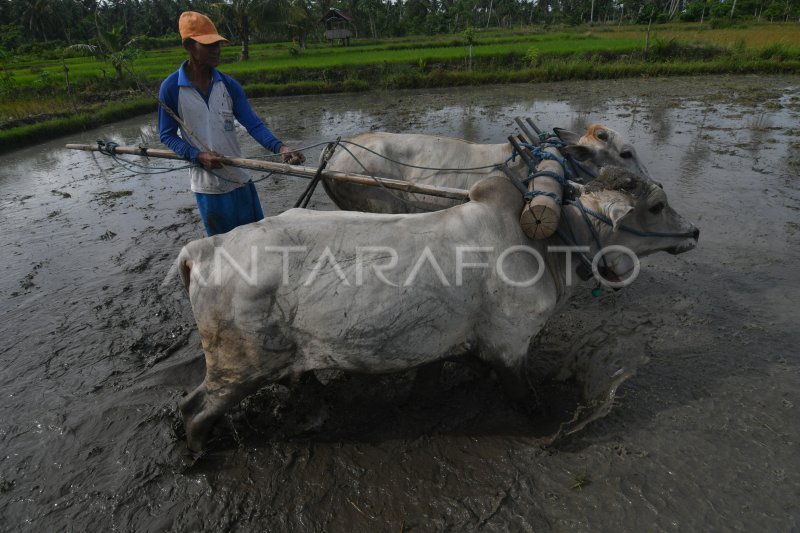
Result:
633,107
470,126
695,157
758,127
660,123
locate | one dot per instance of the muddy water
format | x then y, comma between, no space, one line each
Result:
97,345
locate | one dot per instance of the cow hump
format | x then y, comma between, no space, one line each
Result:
496,189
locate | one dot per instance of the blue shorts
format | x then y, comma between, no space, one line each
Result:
223,212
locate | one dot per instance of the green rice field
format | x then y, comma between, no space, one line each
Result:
43,97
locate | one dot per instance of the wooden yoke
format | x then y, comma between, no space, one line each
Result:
540,216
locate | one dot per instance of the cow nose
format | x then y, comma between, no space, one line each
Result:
696,234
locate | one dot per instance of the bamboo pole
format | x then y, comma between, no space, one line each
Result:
295,170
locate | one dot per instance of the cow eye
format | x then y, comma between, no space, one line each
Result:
626,154
602,135
656,209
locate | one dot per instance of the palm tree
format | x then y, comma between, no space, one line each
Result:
239,12
249,15
300,19
110,48
35,14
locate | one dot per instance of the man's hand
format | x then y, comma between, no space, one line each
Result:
209,160
291,156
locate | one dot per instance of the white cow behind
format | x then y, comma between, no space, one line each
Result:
377,293
410,157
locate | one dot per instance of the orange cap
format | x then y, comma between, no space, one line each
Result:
193,25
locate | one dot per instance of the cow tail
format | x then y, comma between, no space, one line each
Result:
185,267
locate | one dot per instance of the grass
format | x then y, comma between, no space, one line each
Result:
34,105
55,127
756,36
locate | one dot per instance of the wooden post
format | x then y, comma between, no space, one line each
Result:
540,217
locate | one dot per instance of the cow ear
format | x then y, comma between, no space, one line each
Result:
580,152
569,137
616,212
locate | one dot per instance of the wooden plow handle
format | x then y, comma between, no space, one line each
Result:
295,170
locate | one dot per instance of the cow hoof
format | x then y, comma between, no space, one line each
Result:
196,437
198,430
192,403
196,422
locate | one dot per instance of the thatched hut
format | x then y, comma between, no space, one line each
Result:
338,25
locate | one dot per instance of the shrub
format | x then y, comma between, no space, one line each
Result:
354,86
661,49
11,36
7,82
532,57
779,52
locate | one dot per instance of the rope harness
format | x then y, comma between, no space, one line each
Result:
538,153
571,169
323,162
585,269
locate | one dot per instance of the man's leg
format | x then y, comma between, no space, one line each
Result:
217,212
223,212
249,206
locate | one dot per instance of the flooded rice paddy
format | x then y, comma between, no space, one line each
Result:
97,344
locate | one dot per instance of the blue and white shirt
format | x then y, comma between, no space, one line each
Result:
212,120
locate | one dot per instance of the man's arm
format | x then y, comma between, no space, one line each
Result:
247,118
168,126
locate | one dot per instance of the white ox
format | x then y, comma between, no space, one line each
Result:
377,293
599,147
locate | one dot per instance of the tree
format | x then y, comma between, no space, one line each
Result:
373,9
239,13
36,14
300,20
111,47
272,16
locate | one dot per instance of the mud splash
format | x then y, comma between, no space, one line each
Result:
98,343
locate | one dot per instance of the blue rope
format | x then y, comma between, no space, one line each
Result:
549,136
634,231
550,174
554,196
583,168
540,154
595,234
107,147
549,139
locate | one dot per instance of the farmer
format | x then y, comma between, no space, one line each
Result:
207,102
